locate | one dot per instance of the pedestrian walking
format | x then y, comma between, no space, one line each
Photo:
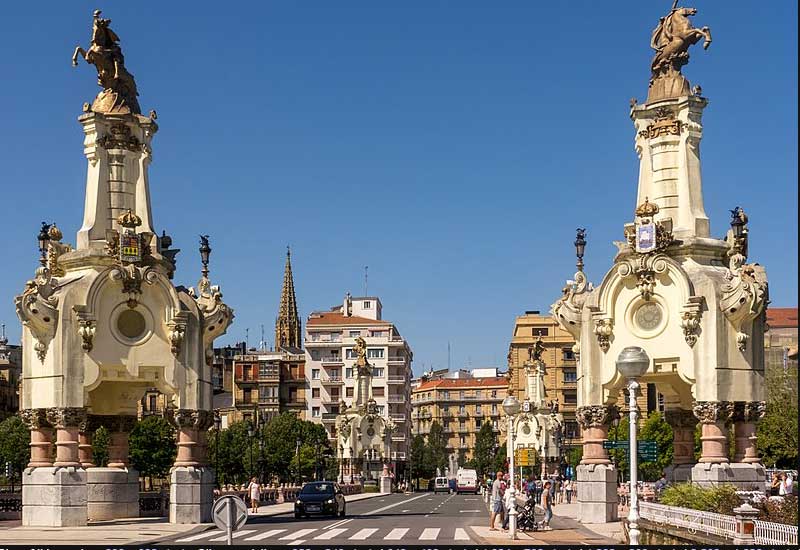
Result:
255,494
547,505
496,501
568,490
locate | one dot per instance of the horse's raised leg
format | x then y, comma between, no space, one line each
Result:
78,51
707,34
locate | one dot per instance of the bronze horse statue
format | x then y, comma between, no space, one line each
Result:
119,88
673,37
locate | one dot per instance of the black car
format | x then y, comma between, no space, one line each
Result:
319,497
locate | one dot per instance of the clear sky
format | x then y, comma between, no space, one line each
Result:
451,146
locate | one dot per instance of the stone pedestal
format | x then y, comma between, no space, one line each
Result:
54,497
191,494
113,493
386,484
745,477
597,493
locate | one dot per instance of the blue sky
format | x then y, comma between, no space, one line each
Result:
453,147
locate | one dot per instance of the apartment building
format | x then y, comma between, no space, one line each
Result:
10,376
329,340
461,405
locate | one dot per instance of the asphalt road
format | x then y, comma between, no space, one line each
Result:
419,518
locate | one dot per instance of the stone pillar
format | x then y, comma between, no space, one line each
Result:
745,417
54,494
597,476
85,452
191,482
113,491
683,425
714,435
41,437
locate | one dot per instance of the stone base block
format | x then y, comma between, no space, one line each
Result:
386,484
191,494
745,477
54,497
113,493
679,473
597,493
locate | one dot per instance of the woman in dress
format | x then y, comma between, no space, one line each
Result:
255,495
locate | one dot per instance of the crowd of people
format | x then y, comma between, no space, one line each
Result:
545,493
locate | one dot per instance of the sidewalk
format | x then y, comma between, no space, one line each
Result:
565,530
128,531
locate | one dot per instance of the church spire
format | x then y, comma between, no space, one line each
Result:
287,325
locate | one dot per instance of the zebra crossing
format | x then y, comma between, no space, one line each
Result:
335,531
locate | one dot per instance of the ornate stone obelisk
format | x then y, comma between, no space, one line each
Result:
689,300
103,322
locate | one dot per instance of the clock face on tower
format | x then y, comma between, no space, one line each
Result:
648,316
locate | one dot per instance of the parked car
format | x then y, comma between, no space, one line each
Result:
440,485
320,497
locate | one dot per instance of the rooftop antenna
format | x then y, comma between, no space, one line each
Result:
246,340
366,279
262,345
448,356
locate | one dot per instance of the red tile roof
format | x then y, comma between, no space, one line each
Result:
336,318
782,317
448,383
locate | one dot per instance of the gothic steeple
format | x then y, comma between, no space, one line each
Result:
287,325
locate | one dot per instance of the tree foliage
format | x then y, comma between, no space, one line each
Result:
436,455
15,439
721,499
657,429
100,442
777,440
152,447
420,465
484,447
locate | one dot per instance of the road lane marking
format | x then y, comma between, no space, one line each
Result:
471,499
207,534
404,511
297,534
461,534
338,523
406,501
330,533
363,534
466,511
236,535
396,534
431,533
266,534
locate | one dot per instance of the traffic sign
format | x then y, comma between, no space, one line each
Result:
229,514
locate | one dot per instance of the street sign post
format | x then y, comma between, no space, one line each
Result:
229,514
647,449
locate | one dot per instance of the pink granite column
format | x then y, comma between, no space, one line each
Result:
67,421
745,417
41,437
595,421
713,416
683,424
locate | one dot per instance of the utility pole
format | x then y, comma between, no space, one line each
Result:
448,356
366,280
246,340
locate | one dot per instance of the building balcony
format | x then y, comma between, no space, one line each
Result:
331,400
398,418
478,413
396,399
329,418
396,379
332,361
396,360
295,404
323,343
268,401
424,400
332,381
462,414
398,437
294,381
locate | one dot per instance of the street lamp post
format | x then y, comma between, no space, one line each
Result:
632,363
250,433
511,406
298,442
217,426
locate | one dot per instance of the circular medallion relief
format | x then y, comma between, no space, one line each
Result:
648,316
526,429
131,324
371,431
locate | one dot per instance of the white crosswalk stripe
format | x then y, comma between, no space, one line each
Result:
236,535
200,536
396,534
298,534
265,534
331,534
461,534
363,534
431,533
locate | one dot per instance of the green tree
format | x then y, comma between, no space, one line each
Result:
100,442
655,428
229,453
420,466
484,446
620,456
436,455
15,439
152,447
777,432
499,462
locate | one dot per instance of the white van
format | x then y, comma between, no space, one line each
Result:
440,485
466,481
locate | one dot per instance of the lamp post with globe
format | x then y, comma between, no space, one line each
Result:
632,363
511,407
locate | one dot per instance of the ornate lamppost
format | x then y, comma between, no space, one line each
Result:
298,442
44,239
250,434
632,363
217,426
511,407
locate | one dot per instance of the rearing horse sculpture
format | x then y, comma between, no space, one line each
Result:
672,39
119,88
